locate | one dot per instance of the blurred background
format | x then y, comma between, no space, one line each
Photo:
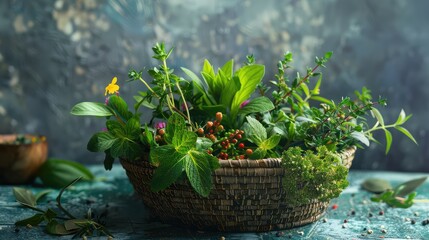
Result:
54,54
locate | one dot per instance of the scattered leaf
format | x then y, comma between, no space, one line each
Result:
24,196
376,185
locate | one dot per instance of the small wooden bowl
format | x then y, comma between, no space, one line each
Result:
19,163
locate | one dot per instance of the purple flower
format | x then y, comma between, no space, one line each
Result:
160,125
104,129
244,103
106,101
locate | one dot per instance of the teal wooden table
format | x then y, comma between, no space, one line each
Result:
127,218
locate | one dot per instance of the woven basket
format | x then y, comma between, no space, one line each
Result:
247,196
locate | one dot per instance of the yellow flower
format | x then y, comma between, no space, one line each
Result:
112,87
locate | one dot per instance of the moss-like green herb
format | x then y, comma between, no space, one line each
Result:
312,175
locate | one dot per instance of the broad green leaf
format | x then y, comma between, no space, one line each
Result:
228,68
257,132
113,125
169,170
157,154
56,228
378,116
24,196
257,105
376,185
250,76
91,109
33,221
406,133
388,140
408,187
271,142
120,107
100,142
209,75
203,144
126,148
133,128
360,137
183,141
42,193
195,78
229,91
198,170
259,153
174,123
57,173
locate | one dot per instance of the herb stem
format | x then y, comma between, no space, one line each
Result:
148,87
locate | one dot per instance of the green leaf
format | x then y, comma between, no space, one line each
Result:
229,91
228,68
174,123
33,221
57,173
41,194
257,105
108,160
259,153
171,164
388,140
271,142
376,185
100,142
360,137
203,144
24,196
257,132
183,141
91,109
158,153
56,228
195,78
305,119
133,128
209,76
198,170
401,117
250,76
378,116
316,89
126,148
120,107
328,55
113,126
406,133
306,90
322,99
409,186
74,224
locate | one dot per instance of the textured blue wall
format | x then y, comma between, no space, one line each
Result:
54,54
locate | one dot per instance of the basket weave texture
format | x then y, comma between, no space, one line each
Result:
247,196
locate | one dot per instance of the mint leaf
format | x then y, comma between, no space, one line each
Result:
120,107
57,173
126,148
198,170
33,221
257,105
183,141
100,142
174,123
256,132
271,142
170,168
91,109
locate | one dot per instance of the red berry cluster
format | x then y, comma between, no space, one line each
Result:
226,144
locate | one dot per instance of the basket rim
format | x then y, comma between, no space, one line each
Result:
250,163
